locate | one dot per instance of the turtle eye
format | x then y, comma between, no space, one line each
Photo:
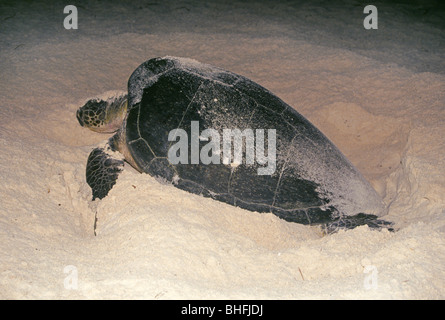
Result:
79,115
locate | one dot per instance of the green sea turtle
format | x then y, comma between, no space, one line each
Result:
297,173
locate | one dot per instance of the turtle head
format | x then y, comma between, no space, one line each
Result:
103,115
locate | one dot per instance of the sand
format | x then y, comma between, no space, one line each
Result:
379,95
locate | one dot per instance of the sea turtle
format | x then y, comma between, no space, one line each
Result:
298,174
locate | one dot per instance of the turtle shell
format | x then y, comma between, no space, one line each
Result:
312,181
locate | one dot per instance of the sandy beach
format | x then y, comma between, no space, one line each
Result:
379,95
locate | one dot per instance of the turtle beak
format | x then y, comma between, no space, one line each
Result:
79,117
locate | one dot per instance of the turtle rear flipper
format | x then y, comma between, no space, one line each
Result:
102,172
350,222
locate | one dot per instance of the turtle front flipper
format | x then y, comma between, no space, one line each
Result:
102,171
